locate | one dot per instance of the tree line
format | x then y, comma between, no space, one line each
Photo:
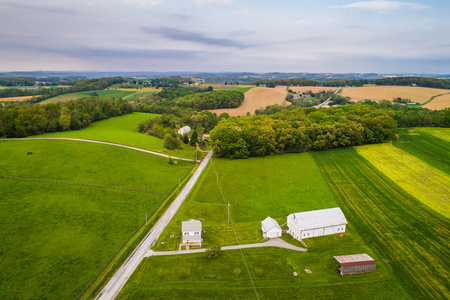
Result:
302,129
419,81
310,82
24,120
212,100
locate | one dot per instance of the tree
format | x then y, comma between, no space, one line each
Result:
93,94
171,142
212,252
194,138
185,139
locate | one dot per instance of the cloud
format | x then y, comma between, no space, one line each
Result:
382,6
181,35
303,22
243,12
213,2
144,2
47,9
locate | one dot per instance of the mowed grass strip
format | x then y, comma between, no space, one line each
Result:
255,188
428,148
441,133
429,185
408,235
123,130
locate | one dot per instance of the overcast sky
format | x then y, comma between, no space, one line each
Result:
226,35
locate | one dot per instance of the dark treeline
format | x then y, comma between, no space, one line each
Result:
419,81
172,93
76,86
309,82
212,100
16,81
24,120
294,129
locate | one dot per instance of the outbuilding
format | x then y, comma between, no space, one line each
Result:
270,228
314,223
184,130
356,264
192,233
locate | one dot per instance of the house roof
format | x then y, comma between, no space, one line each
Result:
319,218
186,128
269,223
355,260
191,225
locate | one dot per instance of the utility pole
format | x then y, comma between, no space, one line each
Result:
228,213
217,178
195,155
145,218
179,181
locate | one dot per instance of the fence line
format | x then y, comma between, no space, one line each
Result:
84,184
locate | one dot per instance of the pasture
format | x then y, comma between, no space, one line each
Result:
256,98
123,130
55,236
409,236
269,186
416,94
422,181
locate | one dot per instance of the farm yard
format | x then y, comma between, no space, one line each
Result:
68,207
416,94
256,98
407,238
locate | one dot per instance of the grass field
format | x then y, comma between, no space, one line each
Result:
410,237
294,183
108,94
54,237
256,98
416,94
427,184
428,148
123,130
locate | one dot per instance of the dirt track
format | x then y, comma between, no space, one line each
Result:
258,97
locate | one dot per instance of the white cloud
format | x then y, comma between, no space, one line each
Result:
382,6
213,2
144,2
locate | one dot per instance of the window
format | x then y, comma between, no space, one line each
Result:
338,229
197,233
186,233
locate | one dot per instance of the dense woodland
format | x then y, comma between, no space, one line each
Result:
419,81
279,130
24,120
309,82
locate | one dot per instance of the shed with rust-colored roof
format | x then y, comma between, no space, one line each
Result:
356,264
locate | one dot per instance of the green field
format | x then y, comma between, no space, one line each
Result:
408,239
54,237
123,130
108,94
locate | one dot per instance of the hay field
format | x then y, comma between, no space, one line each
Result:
440,102
258,97
23,98
416,94
62,98
314,89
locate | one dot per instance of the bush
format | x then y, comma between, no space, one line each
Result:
236,272
259,272
170,162
212,252
171,142
185,273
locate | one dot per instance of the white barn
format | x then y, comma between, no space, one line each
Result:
270,228
192,232
184,130
316,223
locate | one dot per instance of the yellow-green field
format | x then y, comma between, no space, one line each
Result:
429,185
441,133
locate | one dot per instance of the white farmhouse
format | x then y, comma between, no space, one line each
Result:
316,223
192,233
270,228
298,96
184,130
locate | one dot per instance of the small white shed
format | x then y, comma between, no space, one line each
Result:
316,223
184,130
270,228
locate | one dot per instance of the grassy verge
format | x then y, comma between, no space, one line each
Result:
410,237
115,263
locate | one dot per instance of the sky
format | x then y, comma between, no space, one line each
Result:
316,36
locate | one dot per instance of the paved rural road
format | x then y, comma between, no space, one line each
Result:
277,242
105,143
116,283
321,104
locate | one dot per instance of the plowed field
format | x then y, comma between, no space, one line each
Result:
439,102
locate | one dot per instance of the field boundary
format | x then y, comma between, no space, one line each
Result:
83,184
433,97
115,262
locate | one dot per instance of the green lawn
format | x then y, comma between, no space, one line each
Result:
409,236
428,148
108,94
123,130
54,237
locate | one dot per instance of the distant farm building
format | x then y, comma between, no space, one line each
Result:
192,233
184,130
356,264
270,228
316,223
298,96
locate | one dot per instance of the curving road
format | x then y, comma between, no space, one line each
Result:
104,143
113,287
